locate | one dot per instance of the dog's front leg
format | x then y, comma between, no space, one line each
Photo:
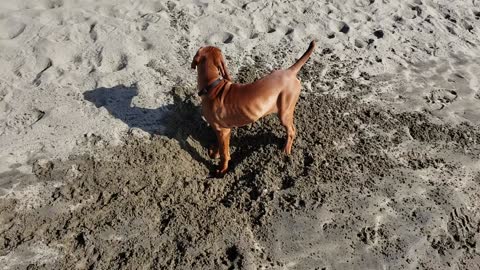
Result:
223,136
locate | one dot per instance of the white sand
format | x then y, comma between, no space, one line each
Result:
422,55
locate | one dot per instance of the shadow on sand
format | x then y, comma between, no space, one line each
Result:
176,121
180,121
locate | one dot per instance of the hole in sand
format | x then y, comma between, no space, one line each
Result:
228,38
220,37
477,14
468,27
448,17
378,33
418,10
344,28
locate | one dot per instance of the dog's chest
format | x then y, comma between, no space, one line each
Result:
218,114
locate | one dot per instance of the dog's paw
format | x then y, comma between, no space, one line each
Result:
220,174
213,152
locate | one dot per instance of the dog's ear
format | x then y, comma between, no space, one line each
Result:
196,58
223,69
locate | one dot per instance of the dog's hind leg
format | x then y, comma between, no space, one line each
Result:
287,122
286,108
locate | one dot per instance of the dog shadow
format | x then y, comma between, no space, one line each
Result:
181,121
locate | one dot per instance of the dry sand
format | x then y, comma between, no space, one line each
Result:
103,162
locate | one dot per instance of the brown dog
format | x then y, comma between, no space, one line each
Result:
226,104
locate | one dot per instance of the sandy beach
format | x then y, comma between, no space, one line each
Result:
104,164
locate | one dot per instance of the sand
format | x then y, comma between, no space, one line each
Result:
103,160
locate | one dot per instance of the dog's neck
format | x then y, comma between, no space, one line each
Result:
207,76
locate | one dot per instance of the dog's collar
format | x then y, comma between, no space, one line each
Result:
209,87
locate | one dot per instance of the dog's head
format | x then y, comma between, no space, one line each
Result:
196,59
210,57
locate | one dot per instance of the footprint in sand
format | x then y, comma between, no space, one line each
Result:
271,30
450,18
77,60
477,15
26,120
146,44
418,11
468,27
360,43
222,37
463,228
99,56
93,32
55,4
442,243
368,235
5,97
157,66
364,3
47,64
151,17
11,28
442,97
339,26
110,60
123,62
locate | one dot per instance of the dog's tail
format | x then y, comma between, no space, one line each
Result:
298,65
